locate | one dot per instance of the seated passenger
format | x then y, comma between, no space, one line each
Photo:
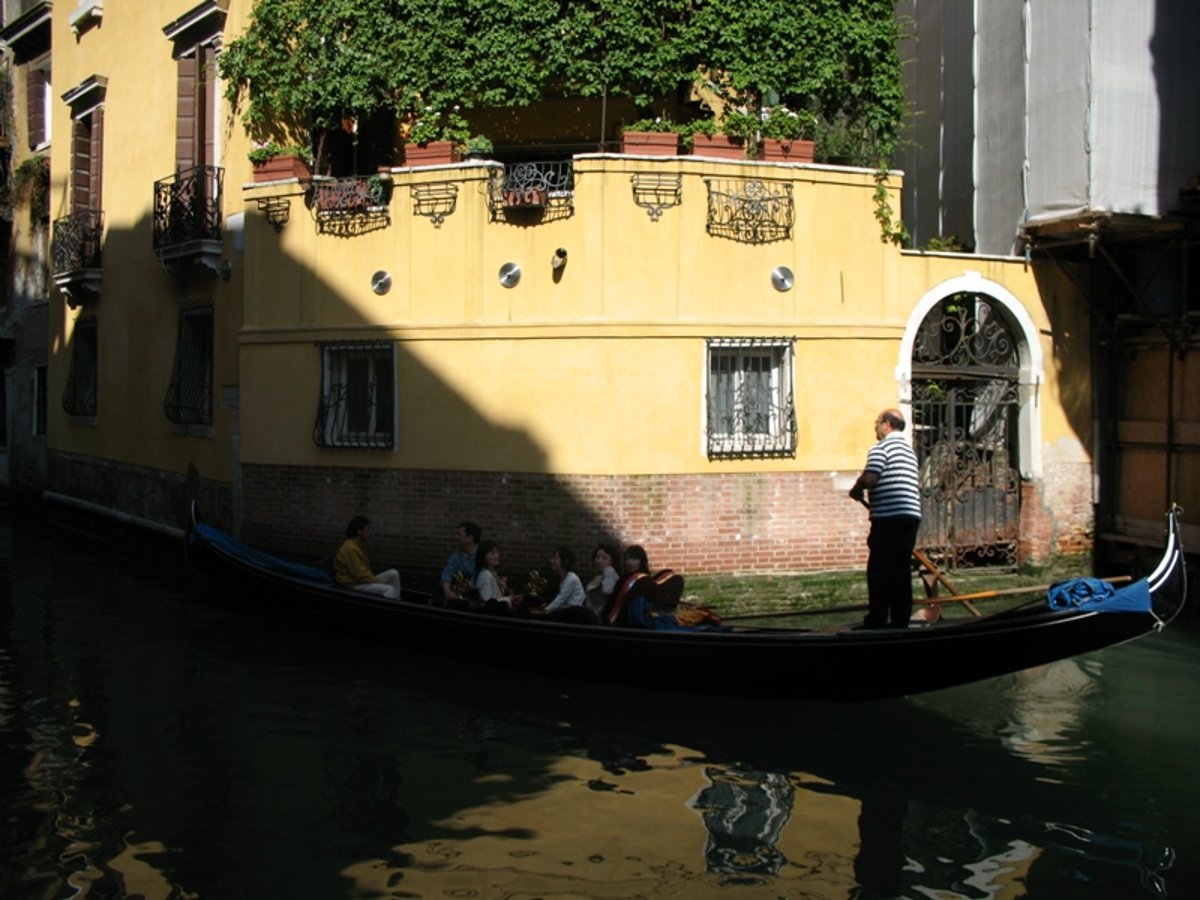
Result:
600,589
491,588
352,568
643,600
571,602
460,567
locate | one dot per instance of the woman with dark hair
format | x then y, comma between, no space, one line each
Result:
570,588
488,583
635,560
600,589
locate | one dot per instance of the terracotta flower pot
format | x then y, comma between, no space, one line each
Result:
650,143
280,167
719,146
434,153
775,150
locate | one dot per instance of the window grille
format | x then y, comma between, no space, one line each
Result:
189,396
357,403
751,409
79,397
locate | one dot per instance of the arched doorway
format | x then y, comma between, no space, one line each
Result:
966,403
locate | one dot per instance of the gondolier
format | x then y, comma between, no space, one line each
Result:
890,479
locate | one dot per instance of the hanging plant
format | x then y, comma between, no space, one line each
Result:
31,184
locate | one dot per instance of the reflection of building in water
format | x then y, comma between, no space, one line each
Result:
1045,718
744,812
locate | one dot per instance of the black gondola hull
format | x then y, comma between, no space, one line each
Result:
809,665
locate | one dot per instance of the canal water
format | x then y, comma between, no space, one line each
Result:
162,739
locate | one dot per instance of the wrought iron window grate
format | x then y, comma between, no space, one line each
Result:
187,206
750,398
189,395
79,395
750,210
356,408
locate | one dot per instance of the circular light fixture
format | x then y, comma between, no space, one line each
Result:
381,282
782,278
510,274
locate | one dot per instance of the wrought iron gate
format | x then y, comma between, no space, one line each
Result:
965,404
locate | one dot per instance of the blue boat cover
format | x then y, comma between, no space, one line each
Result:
1094,595
234,547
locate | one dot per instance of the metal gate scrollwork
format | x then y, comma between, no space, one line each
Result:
965,403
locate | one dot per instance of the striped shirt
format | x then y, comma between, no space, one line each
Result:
897,493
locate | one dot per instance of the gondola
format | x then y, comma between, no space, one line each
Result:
818,664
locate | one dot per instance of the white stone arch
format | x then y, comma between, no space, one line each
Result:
1030,378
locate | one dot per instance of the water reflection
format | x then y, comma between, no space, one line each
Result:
163,742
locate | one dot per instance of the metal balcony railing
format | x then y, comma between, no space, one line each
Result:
76,243
544,188
187,207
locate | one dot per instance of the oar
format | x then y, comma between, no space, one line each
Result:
954,598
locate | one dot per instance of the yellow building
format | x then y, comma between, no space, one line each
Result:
678,351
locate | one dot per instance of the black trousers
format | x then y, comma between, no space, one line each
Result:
889,571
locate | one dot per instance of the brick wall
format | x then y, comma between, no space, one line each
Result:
693,523
152,495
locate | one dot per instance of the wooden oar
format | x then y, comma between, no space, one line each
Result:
859,607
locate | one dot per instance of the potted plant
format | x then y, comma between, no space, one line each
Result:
274,161
651,137
784,134
479,146
730,138
435,138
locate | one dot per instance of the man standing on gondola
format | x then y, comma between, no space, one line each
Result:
890,480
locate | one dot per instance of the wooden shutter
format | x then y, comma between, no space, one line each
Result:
185,113
35,105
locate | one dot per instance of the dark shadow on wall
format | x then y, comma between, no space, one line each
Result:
1177,82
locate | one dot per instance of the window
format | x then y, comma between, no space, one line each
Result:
39,102
79,398
39,401
189,396
357,403
751,412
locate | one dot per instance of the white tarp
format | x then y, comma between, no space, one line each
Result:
1114,105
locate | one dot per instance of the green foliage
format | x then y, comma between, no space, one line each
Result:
264,152
478,145
946,243
31,184
890,230
306,65
783,124
659,125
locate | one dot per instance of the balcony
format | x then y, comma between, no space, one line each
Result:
187,219
75,255
352,205
529,192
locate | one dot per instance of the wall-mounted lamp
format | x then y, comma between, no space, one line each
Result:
381,282
277,210
510,274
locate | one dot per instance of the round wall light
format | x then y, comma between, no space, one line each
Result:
381,282
510,274
782,278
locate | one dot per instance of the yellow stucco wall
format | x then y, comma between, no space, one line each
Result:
599,371
602,370
137,310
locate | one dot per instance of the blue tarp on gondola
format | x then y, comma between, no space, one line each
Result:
1094,595
234,547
